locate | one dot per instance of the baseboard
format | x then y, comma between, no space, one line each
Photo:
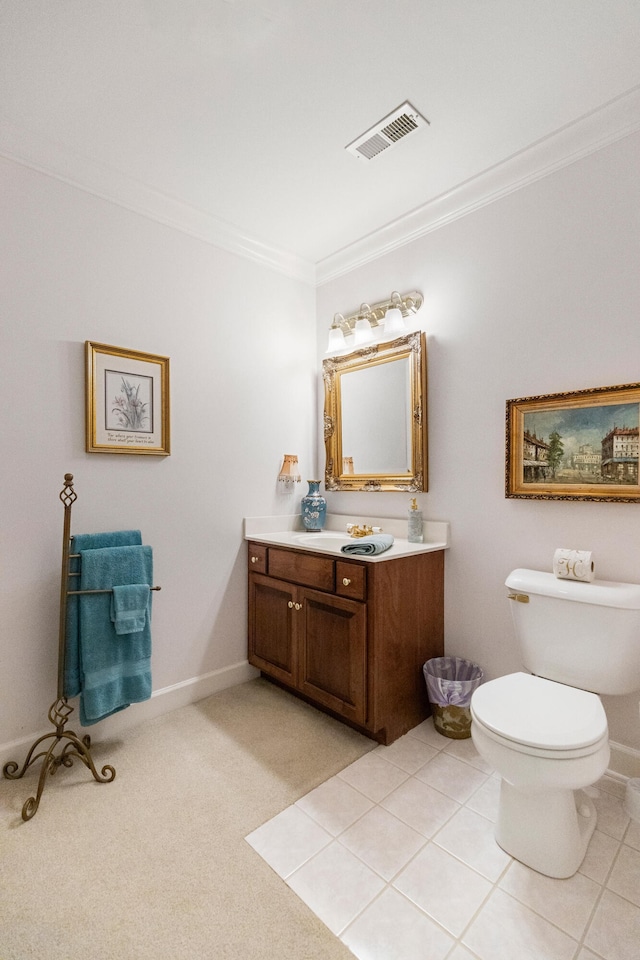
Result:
624,763
162,701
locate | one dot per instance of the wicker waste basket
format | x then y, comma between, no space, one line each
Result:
450,684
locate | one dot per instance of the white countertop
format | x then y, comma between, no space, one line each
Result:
288,531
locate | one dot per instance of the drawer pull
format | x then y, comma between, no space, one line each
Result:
255,559
346,581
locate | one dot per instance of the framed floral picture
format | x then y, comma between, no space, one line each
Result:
574,446
127,401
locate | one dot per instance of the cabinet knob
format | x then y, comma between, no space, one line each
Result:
290,604
346,581
298,606
255,559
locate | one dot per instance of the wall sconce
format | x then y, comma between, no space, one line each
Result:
386,318
289,469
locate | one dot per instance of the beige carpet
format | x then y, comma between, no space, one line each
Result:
154,866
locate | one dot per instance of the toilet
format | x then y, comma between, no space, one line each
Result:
545,732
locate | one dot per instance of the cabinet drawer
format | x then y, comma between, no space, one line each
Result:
257,558
351,580
302,568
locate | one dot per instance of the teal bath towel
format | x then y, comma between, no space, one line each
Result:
115,671
366,546
86,541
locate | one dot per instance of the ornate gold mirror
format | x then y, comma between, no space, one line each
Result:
375,417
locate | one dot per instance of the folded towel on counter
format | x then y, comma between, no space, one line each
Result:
115,671
86,541
129,604
377,543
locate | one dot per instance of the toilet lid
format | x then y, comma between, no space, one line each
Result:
539,713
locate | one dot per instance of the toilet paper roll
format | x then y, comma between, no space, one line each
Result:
574,565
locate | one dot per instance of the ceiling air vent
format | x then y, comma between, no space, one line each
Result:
387,133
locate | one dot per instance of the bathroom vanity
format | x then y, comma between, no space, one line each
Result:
348,634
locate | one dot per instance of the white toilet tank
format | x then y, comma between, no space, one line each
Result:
586,635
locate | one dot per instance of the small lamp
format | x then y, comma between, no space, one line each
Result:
363,333
394,323
289,469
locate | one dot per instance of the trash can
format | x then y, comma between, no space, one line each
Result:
450,684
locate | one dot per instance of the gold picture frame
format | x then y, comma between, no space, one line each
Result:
375,417
581,445
127,401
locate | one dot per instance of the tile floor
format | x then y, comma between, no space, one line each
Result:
396,855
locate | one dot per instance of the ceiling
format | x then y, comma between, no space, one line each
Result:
235,114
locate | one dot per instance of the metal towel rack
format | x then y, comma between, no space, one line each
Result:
72,746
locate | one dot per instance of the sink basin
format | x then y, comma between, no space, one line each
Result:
323,540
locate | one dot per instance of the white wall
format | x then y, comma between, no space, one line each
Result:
537,293
242,344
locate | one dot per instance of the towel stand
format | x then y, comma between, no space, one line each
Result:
60,710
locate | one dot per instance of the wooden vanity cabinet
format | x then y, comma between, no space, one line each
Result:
349,636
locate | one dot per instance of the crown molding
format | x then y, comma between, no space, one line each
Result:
615,120
100,180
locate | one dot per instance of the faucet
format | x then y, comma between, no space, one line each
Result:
365,531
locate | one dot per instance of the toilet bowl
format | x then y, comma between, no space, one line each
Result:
545,731
547,741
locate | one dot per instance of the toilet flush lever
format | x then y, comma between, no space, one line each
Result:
520,597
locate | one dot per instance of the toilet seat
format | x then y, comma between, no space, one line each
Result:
540,717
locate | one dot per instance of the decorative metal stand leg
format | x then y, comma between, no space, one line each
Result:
67,744
71,747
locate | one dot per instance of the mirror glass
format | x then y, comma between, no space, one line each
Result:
375,417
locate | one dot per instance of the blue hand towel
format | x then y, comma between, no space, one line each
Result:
115,671
129,607
378,543
86,541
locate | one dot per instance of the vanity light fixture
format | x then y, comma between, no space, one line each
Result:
387,319
289,469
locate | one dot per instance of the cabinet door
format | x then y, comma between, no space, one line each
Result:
333,653
272,645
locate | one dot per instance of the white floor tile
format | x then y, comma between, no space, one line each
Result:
426,732
461,953
408,753
446,889
612,818
373,776
420,806
600,855
587,955
632,836
392,928
506,929
471,838
486,800
336,886
335,805
615,929
289,840
455,778
383,842
609,785
625,877
566,903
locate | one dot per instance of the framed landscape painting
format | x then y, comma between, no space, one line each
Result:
127,401
574,446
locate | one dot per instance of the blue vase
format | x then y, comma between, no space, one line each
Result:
313,507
